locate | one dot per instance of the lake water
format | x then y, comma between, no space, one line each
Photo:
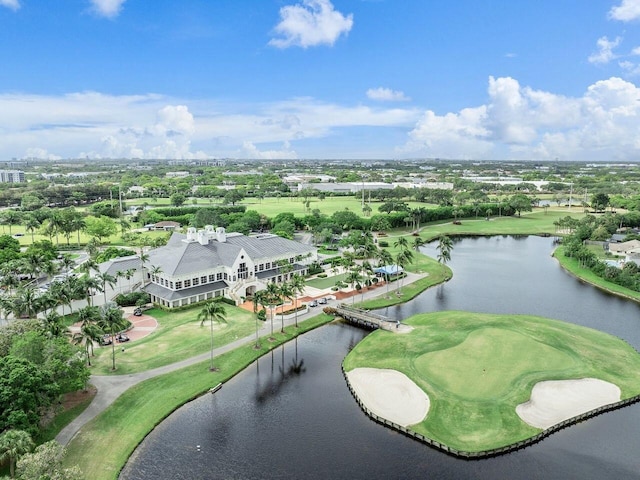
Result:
291,416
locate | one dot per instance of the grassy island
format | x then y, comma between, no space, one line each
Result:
477,368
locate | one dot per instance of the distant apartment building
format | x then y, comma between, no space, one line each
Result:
12,176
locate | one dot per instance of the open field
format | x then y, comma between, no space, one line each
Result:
533,223
272,206
178,336
476,368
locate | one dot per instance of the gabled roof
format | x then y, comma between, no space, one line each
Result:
121,264
267,246
624,246
179,257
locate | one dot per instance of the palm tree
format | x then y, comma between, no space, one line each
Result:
32,224
67,262
401,243
77,224
144,258
89,284
111,321
89,330
384,259
155,270
26,302
106,279
212,311
297,284
259,298
14,444
129,274
403,258
445,245
367,272
354,278
54,325
286,292
417,243
273,296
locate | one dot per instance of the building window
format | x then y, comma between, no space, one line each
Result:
171,285
219,276
187,283
267,266
178,285
242,270
203,279
261,268
226,277
212,278
196,281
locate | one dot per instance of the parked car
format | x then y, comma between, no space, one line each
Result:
313,303
122,337
322,301
137,312
106,340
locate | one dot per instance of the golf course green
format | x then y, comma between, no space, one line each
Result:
477,368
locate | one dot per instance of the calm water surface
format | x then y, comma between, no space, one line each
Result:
290,415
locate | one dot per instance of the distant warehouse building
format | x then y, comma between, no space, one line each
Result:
12,176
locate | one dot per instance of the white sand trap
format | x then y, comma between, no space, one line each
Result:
557,400
390,394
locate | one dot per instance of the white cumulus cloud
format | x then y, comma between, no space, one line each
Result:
12,4
107,8
523,123
97,125
249,150
310,23
386,94
627,11
604,54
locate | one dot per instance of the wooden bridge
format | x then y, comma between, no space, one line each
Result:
366,319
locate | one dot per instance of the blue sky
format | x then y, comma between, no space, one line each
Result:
365,79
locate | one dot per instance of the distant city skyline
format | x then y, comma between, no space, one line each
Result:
320,79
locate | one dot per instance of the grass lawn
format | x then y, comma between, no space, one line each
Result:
103,446
330,281
573,266
476,368
178,336
531,223
272,206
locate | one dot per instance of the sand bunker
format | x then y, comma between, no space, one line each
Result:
390,394
554,401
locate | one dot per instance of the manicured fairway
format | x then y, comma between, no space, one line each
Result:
476,368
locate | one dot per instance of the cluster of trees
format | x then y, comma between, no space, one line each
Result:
600,229
28,462
38,364
66,222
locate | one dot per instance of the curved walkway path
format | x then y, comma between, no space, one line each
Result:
110,387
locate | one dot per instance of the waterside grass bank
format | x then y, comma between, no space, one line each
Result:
103,446
572,266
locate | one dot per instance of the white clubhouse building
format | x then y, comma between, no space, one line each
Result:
210,263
